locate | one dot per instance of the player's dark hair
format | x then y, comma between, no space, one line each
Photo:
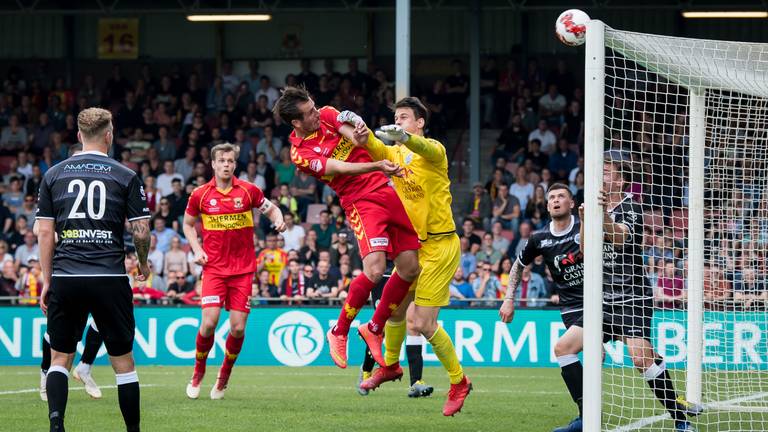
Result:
559,186
418,108
621,161
287,106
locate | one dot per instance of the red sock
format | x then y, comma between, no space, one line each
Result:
202,346
234,345
359,291
394,292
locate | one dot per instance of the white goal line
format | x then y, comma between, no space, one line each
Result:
726,405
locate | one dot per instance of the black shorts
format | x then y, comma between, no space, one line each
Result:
108,299
573,318
628,320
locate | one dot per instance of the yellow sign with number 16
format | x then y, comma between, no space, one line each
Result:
118,38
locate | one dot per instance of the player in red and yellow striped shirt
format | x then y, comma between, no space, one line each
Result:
226,206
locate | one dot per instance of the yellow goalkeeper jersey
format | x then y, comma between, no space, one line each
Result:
424,187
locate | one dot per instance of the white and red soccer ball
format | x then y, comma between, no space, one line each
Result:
571,27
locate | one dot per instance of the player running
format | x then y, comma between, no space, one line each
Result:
425,191
85,201
325,148
226,206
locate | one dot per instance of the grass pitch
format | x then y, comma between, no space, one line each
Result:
317,399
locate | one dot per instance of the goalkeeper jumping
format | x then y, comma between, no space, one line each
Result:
424,189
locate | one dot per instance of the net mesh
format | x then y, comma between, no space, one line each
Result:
647,85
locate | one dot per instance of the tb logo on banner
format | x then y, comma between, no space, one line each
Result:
296,338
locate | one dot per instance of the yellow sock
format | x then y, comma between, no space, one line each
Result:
394,335
444,350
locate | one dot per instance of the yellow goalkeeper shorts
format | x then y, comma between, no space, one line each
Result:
439,258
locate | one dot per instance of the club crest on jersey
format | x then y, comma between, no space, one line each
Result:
409,159
238,202
317,149
213,201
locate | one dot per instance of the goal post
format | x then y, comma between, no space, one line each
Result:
691,116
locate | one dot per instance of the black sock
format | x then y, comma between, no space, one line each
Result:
57,388
130,400
574,380
93,342
665,392
415,361
45,364
368,362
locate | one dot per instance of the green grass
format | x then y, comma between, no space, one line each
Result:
324,399
301,399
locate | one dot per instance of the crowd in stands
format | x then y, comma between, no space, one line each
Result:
165,126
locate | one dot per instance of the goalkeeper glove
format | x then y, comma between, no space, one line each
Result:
349,117
392,133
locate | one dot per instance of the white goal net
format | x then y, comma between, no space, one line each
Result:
690,119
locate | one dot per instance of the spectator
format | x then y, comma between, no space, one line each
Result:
13,137
89,91
503,274
323,285
345,247
499,178
467,261
272,259
545,137
500,242
215,99
16,236
532,289
178,287
30,281
163,234
489,77
552,106
32,186
244,97
460,289
156,256
303,188
563,160
264,288
306,77
525,233
251,175
293,234
4,255
269,145
165,147
138,146
266,89
186,166
261,117
288,201
488,254
670,292
229,80
468,231
293,284
8,280
748,289
285,170
326,232
28,250
148,291
456,89
506,210
177,203
265,170
309,254
129,116
487,284
537,204
522,189
479,206
175,259
537,158
29,208
41,134
717,288
573,124
165,180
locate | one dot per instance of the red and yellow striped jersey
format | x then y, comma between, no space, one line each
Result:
311,153
227,217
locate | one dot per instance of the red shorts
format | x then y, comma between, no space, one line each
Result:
233,292
380,223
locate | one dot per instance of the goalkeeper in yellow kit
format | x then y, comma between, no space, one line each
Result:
424,189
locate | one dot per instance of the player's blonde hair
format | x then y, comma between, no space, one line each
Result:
94,122
225,148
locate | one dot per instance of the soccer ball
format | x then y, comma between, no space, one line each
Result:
571,27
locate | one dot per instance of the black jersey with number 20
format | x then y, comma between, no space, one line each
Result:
89,196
